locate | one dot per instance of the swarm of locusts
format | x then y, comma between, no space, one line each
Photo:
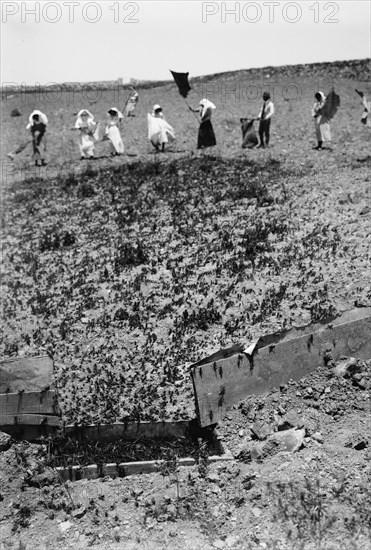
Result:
128,276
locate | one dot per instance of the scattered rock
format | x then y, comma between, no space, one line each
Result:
219,544
239,500
317,436
83,542
261,430
289,440
213,477
171,510
233,470
5,441
247,481
262,449
243,452
310,426
64,526
256,452
256,511
361,445
344,368
360,379
290,420
215,512
79,512
15,112
231,541
363,303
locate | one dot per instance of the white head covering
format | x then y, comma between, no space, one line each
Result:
323,97
206,104
43,118
117,112
155,107
79,120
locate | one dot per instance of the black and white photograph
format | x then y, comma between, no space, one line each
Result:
185,296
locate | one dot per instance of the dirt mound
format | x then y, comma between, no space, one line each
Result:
326,395
357,69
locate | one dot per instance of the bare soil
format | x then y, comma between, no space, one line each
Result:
128,270
317,496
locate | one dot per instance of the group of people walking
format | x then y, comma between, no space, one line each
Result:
90,132
159,130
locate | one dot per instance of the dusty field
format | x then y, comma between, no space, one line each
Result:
128,270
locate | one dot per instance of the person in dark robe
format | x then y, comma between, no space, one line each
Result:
37,123
206,136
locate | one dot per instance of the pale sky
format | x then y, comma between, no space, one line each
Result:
70,40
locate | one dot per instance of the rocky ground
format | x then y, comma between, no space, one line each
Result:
300,479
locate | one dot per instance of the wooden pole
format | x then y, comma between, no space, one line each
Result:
190,108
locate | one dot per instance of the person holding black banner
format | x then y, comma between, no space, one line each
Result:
206,136
324,110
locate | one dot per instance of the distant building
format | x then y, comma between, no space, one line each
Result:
124,80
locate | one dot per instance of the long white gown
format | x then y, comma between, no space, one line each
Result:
158,130
87,127
131,104
113,134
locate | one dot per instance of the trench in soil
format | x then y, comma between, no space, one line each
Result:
73,448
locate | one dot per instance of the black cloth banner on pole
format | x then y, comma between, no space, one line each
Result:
181,80
331,105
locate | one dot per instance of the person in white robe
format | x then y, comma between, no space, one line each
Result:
366,115
87,126
159,129
131,102
113,131
321,122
